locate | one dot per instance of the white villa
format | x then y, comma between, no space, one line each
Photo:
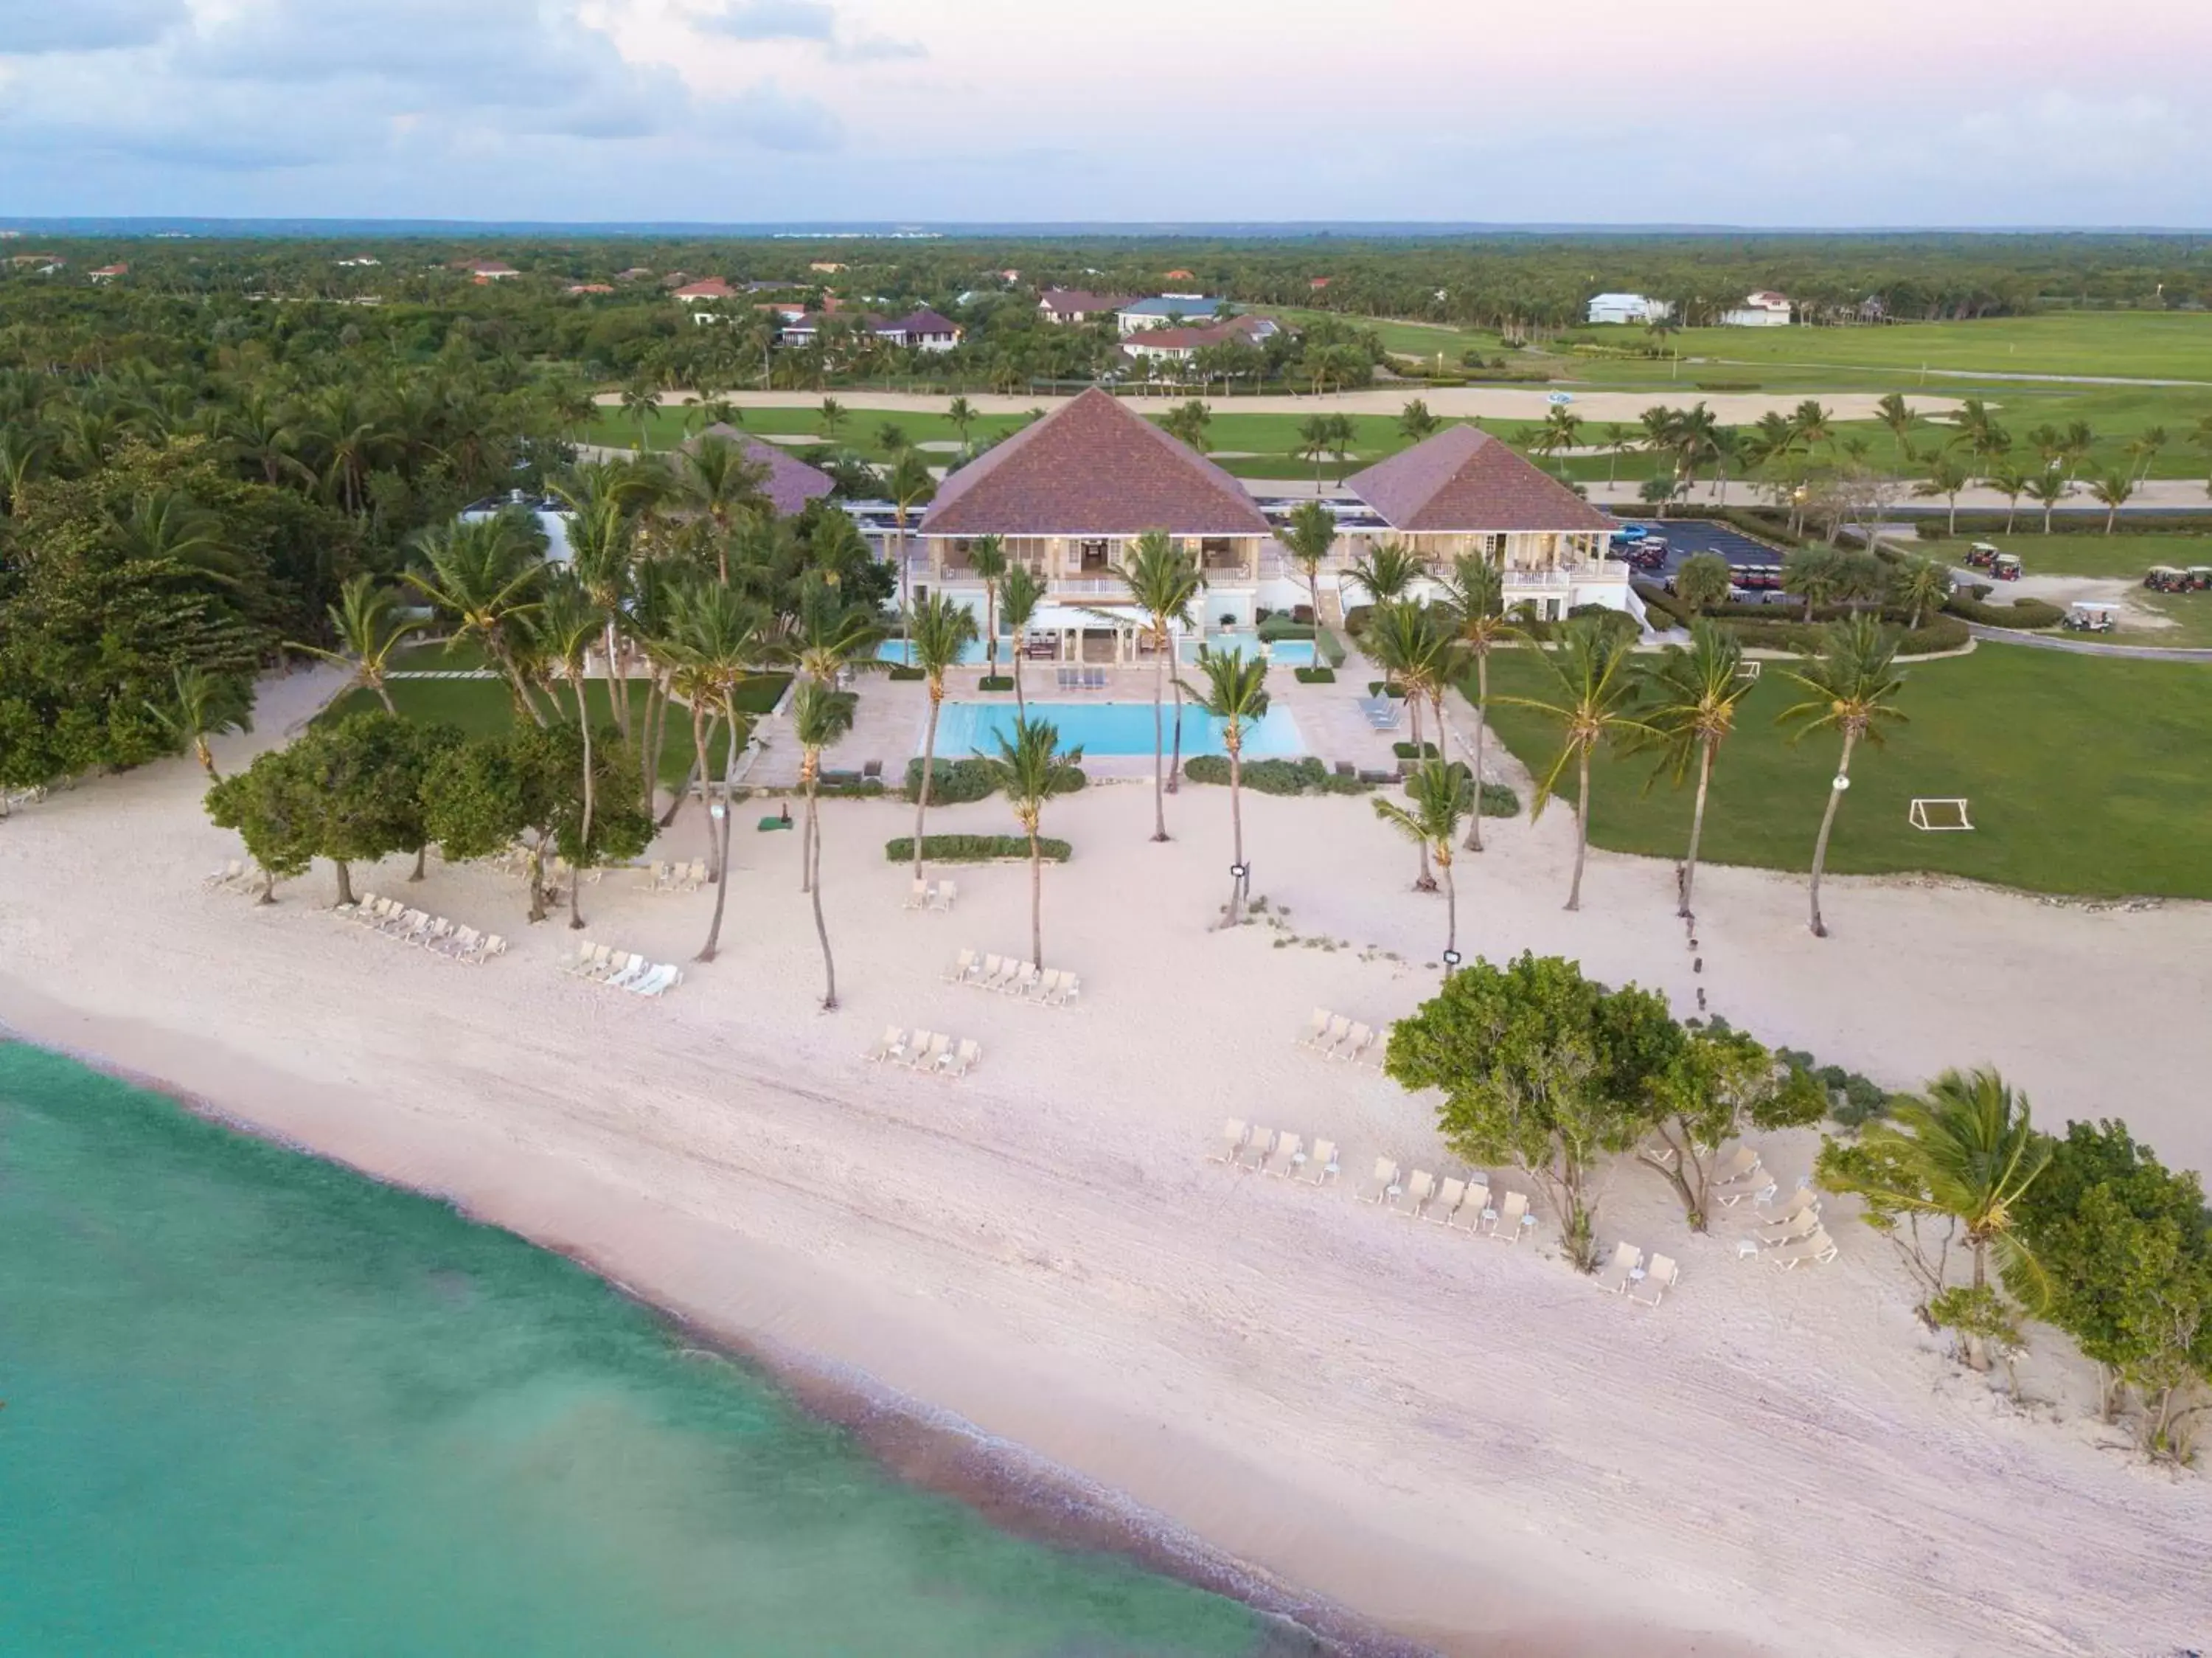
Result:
1629,307
1163,311
1765,309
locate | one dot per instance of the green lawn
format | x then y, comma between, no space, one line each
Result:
1420,340
2087,774
2063,554
484,707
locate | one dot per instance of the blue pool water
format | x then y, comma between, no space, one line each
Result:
1283,654
1108,728
899,650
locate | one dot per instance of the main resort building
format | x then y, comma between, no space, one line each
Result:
1070,495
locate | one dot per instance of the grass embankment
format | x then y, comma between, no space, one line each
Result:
2126,555
2087,775
483,708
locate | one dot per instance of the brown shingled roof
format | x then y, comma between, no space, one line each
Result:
1463,479
1094,467
790,482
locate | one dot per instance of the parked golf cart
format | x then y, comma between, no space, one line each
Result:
2007,567
2200,577
2165,578
2091,616
1982,556
1649,553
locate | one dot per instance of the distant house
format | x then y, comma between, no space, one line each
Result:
591,287
791,483
358,262
484,271
827,267
109,272
1319,282
45,262
1629,307
1872,310
923,331
1166,308
1765,309
635,274
1179,276
1078,305
1181,345
705,292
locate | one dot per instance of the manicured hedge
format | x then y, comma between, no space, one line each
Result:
1763,627
1315,675
907,674
995,682
1498,801
2019,613
961,783
1330,650
1405,751
1984,525
1278,626
864,789
974,848
1301,777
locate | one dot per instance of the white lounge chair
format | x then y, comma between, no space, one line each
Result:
1739,1166
927,1055
1802,1224
637,969
1024,981
917,895
660,981
963,1059
1321,1166
230,872
364,911
1816,1246
458,943
1047,988
601,964
962,964
1510,1218
493,945
994,969
1626,1259
581,963
1340,1028
1451,1196
947,894
1289,1152
1355,1043
433,936
1801,1201
893,1041
1420,1187
1071,990
1477,1204
1234,1133
1651,1286
1381,1184
1253,1156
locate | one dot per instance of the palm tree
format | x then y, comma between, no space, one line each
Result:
2144,448
2047,490
1563,430
1854,686
2200,436
1811,423
1415,423
833,417
941,630
1616,439
910,486
204,705
1308,538
487,573
716,640
891,438
566,623
1590,667
1029,768
2112,492
1922,585
603,556
1688,698
1024,592
2009,480
1388,572
2075,442
1439,799
640,400
962,413
368,628
1812,574
1896,415
166,526
1702,580
1187,423
1473,603
820,717
1946,477
989,556
1316,436
1235,692
717,478
1162,582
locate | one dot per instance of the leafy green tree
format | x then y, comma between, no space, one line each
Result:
1440,798
832,414
1593,693
1702,580
1814,574
1853,687
942,631
1163,582
1721,1084
1687,704
821,715
276,810
1921,586
201,705
1187,424
1308,538
1024,592
1543,1069
1235,694
1031,767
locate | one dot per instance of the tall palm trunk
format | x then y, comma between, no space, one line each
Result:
345,884
813,857
1037,895
701,733
723,854
1021,703
1582,829
1233,739
1175,756
384,696
928,765
618,684
591,803
1827,826
1425,882
1473,842
1159,747
1451,903
1696,827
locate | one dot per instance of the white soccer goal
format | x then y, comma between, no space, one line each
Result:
1940,815
1748,670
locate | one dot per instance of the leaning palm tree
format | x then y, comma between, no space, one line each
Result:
910,485
2048,490
1439,799
1589,667
1388,572
1308,538
989,556
1948,476
369,629
1163,582
717,478
566,625
820,717
1689,700
1473,602
1024,591
487,573
941,631
1029,767
2112,492
1854,684
1235,693
603,555
717,639
204,705
1921,585
2008,479
962,415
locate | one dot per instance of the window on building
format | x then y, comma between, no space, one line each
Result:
1216,551
1095,555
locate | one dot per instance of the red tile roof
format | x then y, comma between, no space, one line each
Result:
1093,468
1463,479
1079,301
711,288
791,483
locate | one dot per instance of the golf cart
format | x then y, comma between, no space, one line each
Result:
2200,577
2006,567
1651,553
2091,616
1982,556
2164,578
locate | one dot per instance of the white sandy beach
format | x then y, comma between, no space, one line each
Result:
1463,1442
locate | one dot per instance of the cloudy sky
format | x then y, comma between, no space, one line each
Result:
1880,112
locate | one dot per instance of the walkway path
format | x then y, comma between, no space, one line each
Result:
2088,647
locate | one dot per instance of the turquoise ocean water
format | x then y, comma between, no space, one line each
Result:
256,1405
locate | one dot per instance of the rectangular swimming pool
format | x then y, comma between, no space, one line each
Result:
1107,729
971,654
1284,652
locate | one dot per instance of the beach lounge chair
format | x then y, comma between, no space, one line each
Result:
1025,980
1321,1166
1477,1204
1814,1245
1451,1196
986,976
1340,1028
458,943
1282,1162
917,895
224,876
1664,1155
658,981
1233,1135
364,911
1381,1184
947,894
1506,1218
1355,1043
1627,1258
1065,990
628,971
493,945
602,963
1740,1166
695,875
891,1043
1652,1284
927,1055
412,926
962,964
1802,1224
582,961
1803,1201
1253,1156
1409,1201
963,1059
433,936
1312,1035
1046,987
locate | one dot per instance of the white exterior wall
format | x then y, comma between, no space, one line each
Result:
1751,317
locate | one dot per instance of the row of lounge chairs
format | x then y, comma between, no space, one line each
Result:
1277,1152
1335,1036
1011,976
621,970
234,877
1462,1204
1383,713
676,877
395,920
1628,1273
943,896
930,1051
1791,1234
1080,678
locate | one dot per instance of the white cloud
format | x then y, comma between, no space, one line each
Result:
32,27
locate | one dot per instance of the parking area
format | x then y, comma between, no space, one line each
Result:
1685,537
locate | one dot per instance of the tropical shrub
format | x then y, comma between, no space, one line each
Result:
975,849
1315,675
962,783
1300,776
2030,614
